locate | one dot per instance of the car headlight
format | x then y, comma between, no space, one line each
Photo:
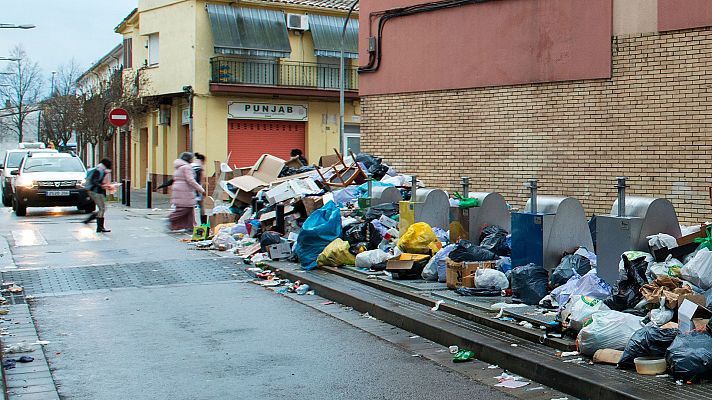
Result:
26,183
81,182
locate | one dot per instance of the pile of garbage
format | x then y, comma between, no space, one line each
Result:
656,315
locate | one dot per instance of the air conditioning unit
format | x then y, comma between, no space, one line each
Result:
298,22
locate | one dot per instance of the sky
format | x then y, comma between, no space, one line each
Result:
83,29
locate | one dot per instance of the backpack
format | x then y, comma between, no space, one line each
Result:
89,184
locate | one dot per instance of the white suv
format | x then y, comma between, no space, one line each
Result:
10,162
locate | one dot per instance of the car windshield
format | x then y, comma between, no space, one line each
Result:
53,164
14,159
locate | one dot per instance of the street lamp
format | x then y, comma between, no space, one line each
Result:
51,93
9,59
13,26
342,139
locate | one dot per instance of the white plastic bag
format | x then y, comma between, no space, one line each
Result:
582,308
487,278
657,242
588,285
368,259
661,316
224,241
607,330
438,262
669,267
699,270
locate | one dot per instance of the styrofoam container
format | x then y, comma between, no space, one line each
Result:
650,365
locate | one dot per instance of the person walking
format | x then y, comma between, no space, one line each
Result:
98,178
199,173
183,194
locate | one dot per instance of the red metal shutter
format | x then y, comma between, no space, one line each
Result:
247,140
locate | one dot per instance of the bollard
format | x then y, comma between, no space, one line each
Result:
279,220
128,193
149,192
620,185
123,191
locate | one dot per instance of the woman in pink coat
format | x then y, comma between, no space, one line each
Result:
184,193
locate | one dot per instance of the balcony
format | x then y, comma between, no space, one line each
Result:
281,77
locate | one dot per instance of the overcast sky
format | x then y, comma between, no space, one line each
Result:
83,29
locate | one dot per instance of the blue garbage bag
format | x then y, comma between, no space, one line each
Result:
320,229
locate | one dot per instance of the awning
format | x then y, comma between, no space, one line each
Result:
326,32
249,31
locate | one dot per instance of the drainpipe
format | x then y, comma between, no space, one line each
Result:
532,186
620,185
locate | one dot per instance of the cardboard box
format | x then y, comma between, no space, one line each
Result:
312,203
292,189
280,250
221,218
264,172
406,265
688,312
388,222
456,272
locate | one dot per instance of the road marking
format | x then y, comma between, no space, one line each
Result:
88,234
28,237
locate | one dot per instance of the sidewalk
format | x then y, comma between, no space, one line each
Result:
139,197
500,341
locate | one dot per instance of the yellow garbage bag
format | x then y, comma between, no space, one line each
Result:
336,254
419,239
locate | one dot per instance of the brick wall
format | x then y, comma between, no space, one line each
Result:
651,122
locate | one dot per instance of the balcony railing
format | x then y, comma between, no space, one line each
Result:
281,73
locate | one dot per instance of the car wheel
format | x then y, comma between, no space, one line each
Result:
6,201
90,208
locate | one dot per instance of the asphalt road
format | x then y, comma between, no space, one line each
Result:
125,324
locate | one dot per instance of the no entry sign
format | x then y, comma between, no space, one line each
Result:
118,117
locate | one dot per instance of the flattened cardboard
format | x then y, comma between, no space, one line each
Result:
280,250
221,218
404,262
264,172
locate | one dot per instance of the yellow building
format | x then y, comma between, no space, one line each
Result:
262,76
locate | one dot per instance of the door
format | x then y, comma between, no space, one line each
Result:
143,166
247,140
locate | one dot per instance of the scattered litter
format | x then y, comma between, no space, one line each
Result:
414,337
561,398
437,305
514,345
575,360
678,382
569,353
536,388
42,342
492,366
369,316
311,293
415,355
328,303
463,356
453,349
4,312
510,384
19,348
662,376
526,324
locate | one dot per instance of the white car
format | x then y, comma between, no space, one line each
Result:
50,180
10,162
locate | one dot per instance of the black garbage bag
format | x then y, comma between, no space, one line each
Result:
387,209
690,356
355,233
565,270
269,238
529,284
467,251
648,341
494,239
482,292
367,160
627,294
378,171
374,237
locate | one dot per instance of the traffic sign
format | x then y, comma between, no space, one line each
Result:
118,117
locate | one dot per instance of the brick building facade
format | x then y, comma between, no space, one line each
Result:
649,121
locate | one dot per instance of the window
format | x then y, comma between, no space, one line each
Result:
352,136
153,49
128,53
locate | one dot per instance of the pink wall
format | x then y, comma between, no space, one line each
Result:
503,42
683,14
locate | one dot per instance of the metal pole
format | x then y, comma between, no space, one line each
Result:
128,193
620,184
532,185
279,218
123,191
465,186
413,187
342,139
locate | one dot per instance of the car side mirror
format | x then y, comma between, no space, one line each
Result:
2,166
15,172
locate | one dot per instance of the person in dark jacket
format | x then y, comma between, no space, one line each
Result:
96,184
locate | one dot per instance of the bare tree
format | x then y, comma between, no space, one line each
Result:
20,90
60,115
66,80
